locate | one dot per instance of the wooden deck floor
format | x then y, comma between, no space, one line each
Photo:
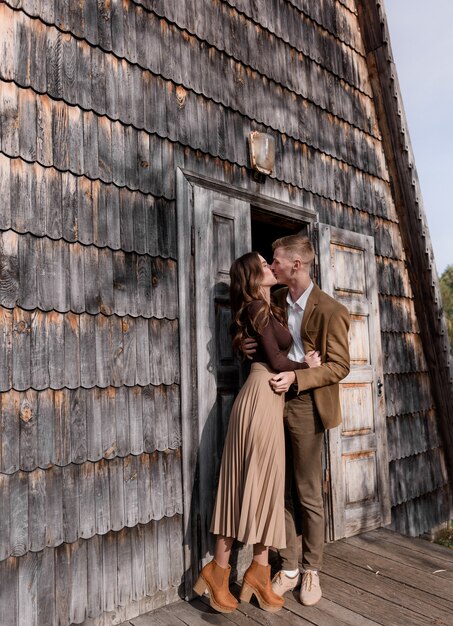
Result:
376,578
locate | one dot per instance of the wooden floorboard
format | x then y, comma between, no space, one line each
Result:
379,578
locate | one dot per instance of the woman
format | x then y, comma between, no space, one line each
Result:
250,496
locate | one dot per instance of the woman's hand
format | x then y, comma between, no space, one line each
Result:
248,347
313,358
280,383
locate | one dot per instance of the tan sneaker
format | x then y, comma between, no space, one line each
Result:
281,583
310,590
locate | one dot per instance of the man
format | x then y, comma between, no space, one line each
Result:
316,322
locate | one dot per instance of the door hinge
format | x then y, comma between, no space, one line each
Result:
192,240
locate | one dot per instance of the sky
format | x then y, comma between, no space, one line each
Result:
421,36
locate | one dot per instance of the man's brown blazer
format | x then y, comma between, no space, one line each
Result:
324,327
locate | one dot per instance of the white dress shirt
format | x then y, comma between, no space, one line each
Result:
295,315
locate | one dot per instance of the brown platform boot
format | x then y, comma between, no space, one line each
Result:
257,580
214,579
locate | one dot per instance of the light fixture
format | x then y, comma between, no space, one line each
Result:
262,152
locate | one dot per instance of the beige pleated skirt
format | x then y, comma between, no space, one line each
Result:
250,496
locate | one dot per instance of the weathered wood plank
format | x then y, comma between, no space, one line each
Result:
45,600
63,583
109,572
62,428
414,543
131,490
54,507
6,324
124,567
75,140
44,275
151,556
37,510
44,215
4,519
131,282
9,115
326,612
426,562
27,591
46,428
72,426
138,562
71,507
28,430
27,265
144,294
210,135
116,341
116,486
409,478
71,350
407,393
111,194
9,591
129,351
95,576
21,349
90,145
103,360
119,283
69,207
18,512
123,444
412,434
439,589
334,183
144,489
94,424
76,278
92,279
44,146
87,501
27,126
79,588
87,350
5,192
9,259
108,423
399,598
102,497
105,148
80,581
79,443
135,419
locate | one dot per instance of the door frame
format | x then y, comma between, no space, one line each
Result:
186,180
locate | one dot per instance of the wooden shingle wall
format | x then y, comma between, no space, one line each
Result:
100,102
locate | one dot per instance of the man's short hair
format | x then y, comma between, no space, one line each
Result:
296,245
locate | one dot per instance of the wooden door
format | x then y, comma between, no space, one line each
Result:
356,450
221,234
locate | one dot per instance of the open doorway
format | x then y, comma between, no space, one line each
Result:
267,227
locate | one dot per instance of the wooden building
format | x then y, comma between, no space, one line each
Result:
125,193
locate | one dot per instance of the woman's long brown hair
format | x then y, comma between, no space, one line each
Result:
246,275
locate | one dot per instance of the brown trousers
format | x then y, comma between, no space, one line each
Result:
304,507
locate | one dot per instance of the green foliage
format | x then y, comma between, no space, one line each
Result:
445,537
446,288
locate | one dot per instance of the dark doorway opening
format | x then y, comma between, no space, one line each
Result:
267,227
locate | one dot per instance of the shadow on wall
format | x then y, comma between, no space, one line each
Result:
212,428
